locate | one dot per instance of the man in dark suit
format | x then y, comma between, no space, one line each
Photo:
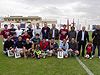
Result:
82,38
45,31
54,32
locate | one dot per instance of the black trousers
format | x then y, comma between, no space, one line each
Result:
81,44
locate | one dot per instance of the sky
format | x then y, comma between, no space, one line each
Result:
85,10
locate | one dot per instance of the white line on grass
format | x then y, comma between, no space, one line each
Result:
84,66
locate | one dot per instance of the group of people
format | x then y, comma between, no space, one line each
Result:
41,43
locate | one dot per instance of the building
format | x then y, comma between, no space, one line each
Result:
19,19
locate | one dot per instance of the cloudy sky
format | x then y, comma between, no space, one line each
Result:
82,9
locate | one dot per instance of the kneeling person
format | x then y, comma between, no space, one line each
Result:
64,46
19,46
8,45
73,47
28,48
53,47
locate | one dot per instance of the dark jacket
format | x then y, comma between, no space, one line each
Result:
72,34
73,46
45,35
96,37
8,44
56,34
86,36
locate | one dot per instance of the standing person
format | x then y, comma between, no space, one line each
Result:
5,32
37,30
19,31
72,33
30,31
63,33
96,41
45,31
54,32
12,30
82,38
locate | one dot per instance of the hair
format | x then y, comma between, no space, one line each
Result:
37,34
5,25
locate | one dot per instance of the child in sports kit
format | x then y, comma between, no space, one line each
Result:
89,50
37,52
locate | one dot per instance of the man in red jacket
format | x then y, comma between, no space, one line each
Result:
44,47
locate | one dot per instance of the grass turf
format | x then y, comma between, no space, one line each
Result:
49,66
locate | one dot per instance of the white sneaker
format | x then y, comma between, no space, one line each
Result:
99,57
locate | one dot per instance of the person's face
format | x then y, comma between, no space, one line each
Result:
64,26
52,41
44,40
37,36
53,25
8,38
6,27
27,40
45,24
37,25
12,26
83,28
72,29
20,38
14,35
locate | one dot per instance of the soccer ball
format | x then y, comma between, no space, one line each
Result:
87,56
